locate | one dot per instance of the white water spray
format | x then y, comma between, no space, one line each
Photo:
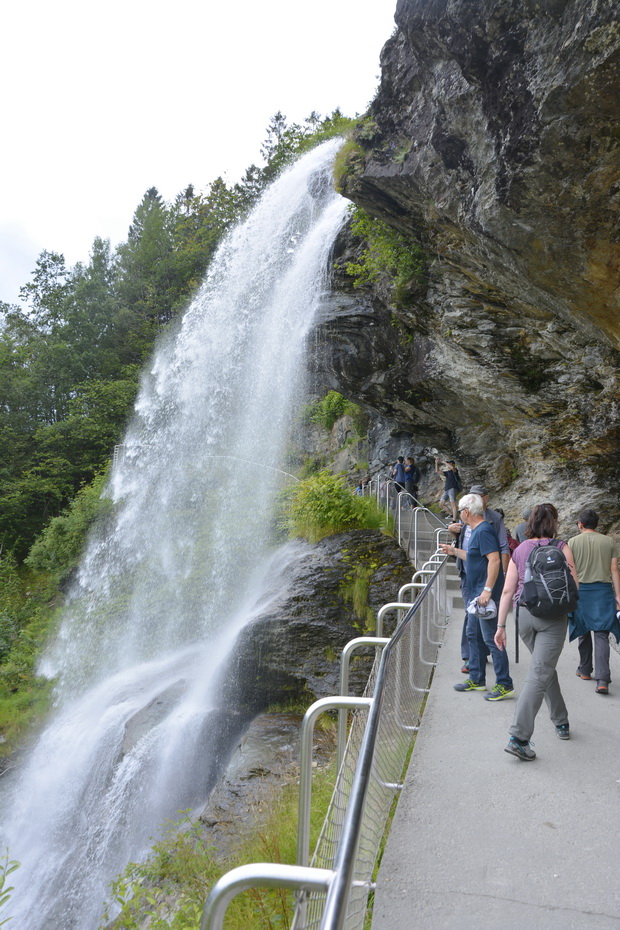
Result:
178,570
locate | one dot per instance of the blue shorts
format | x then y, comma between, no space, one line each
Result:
449,495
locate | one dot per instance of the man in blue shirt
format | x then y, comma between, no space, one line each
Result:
484,580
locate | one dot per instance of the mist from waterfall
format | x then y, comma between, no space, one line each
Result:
178,567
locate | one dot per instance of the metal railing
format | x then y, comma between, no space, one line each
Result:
418,529
332,891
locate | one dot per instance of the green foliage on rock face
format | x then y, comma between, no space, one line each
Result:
355,591
326,411
323,504
388,253
348,163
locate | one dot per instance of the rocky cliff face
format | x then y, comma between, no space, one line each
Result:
494,141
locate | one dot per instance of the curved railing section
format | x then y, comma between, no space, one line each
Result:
332,890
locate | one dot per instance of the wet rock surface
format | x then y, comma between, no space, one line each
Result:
494,141
264,762
291,652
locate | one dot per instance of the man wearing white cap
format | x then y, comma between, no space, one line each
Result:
484,581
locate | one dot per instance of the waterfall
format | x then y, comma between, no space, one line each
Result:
177,568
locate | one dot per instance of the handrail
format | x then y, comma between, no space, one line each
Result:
334,913
259,875
305,764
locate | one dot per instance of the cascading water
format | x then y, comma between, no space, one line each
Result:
178,567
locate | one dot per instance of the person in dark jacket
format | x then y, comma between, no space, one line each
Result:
452,485
412,475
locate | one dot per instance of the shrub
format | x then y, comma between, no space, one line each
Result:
323,504
388,252
330,408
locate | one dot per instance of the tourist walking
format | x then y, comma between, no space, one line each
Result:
596,562
544,638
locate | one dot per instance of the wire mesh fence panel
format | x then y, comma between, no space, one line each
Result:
398,684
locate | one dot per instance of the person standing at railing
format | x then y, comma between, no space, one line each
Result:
412,476
398,474
462,533
452,485
484,583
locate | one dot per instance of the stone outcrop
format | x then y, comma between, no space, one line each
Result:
291,651
494,141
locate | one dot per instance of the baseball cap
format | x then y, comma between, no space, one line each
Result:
478,489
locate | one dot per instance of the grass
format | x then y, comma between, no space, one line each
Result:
170,887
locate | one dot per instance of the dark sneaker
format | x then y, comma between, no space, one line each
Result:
520,750
601,687
465,669
498,693
469,685
583,677
562,731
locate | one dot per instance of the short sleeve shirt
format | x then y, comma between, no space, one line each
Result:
593,553
482,542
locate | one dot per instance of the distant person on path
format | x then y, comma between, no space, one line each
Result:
398,474
519,533
412,475
452,485
596,562
484,582
544,639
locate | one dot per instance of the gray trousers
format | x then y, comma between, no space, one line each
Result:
601,655
545,640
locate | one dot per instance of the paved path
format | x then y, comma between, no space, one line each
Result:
483,841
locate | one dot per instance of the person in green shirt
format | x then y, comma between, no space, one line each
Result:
596,560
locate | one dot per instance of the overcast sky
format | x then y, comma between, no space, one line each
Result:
101,101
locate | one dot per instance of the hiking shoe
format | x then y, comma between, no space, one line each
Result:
562,731
520,750
498,693
469,685
583,677
601,687
465,669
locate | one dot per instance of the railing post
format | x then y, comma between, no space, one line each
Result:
305,765
345,659
262,875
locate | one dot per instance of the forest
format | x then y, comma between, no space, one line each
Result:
70,363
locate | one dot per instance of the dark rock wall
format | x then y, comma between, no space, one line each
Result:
291,651
495,141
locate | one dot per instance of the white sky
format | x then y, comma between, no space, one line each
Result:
101,101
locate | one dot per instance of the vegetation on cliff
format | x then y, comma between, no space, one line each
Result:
324,504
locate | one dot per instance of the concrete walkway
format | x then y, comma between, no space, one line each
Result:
484,841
